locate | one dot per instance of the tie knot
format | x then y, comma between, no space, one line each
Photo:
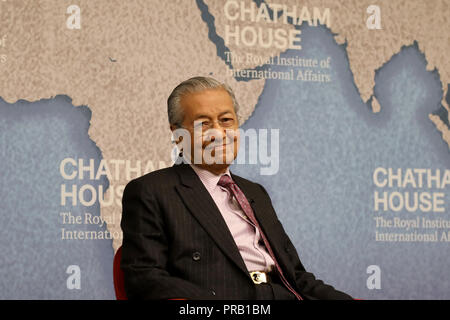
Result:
225,181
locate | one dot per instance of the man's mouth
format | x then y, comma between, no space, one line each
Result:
213,145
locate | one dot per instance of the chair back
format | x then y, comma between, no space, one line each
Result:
118,276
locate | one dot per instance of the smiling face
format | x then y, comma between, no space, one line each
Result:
210,118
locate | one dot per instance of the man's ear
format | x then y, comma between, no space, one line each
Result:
173,128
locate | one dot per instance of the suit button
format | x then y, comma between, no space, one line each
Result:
196,256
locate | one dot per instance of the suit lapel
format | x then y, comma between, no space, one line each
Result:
201,205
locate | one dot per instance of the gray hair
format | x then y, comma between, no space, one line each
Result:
192,85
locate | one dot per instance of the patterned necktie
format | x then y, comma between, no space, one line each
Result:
226,182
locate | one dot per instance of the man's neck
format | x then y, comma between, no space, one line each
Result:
214,169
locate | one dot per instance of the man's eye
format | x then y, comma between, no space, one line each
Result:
199,124
227,121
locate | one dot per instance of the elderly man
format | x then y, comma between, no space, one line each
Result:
197,231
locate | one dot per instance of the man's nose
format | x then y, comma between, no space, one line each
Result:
217,129
217,126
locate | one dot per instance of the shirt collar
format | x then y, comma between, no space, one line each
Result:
209,179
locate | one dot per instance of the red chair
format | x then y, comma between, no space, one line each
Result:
119,287
118,276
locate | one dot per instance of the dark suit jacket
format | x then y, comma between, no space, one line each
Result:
176,243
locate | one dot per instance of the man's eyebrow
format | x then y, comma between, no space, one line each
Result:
225,112
201,116
208,117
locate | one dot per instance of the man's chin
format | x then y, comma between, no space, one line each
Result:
220,155
217,164
212,158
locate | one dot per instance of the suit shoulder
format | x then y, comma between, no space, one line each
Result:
241,179
248,183
155,179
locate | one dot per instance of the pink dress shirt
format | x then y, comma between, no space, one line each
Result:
246,236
